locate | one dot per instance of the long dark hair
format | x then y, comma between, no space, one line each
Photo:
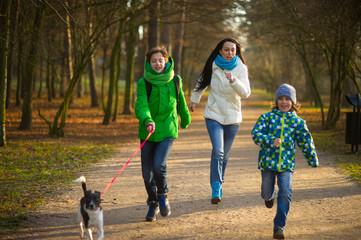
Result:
206,75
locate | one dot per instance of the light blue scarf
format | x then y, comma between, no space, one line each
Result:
224,64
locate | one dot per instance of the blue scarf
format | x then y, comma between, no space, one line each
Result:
224,64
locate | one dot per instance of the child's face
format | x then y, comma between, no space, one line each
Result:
284,104
157,62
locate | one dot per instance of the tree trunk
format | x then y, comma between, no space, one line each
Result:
105,49
153,25
26,118
178,46
131,45
20,70
117,77
4,37
64,68
112,73
80,88
14,13
48,88
93,91
68,47
91,65
55,130
165,29
40,79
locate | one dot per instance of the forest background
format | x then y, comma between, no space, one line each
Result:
68,71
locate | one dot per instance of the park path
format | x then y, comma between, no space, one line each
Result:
326,203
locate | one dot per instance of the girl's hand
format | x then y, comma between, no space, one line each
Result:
230,77
192,107
151,127
276,142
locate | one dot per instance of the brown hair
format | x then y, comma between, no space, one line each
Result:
154,50
295,107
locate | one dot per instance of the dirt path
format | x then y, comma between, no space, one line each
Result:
325,203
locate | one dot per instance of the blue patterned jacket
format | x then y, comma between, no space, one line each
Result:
291,129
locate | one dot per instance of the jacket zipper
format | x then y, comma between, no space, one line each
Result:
280,154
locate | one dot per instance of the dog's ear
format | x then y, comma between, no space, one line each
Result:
97,193
87,192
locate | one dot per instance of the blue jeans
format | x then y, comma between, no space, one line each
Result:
268,192
222,137
154,169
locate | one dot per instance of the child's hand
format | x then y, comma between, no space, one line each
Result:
151,127
276,142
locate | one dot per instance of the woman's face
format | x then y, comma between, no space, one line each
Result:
228,51
157,62
284,104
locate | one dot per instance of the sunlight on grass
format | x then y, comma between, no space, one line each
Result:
352,167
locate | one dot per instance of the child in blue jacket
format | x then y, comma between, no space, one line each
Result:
277,133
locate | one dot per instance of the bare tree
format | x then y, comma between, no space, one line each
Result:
114,66
179,41
14,13
153,24
26,118
131,45
329,29
4,37
83,48
165,26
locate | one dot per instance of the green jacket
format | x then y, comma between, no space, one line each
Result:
162,106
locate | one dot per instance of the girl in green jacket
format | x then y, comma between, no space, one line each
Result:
157,110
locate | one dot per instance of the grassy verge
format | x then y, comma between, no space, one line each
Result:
31,172
333,141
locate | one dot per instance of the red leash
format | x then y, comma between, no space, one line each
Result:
121,170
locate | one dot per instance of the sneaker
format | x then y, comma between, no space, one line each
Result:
278,233
153,211
164,205
215,200
269,203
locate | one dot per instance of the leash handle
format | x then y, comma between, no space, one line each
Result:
126,164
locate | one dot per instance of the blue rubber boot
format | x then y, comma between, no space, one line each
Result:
216,193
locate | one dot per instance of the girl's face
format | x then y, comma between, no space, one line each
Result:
284,104
157,62
228,51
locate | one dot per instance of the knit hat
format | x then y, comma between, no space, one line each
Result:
288,91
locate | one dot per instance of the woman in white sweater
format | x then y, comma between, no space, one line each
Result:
227,75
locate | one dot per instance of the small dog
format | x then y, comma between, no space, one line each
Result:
90,213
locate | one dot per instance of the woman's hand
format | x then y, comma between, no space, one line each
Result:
150,126
192,107
230,77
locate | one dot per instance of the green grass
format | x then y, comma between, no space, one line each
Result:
32,172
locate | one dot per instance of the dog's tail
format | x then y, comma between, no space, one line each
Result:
82,180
